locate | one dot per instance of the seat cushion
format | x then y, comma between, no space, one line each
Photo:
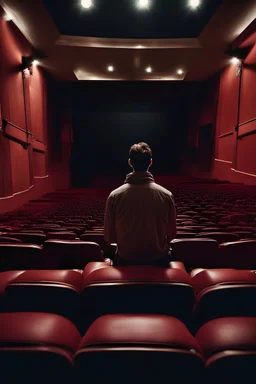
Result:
227,334
144,330
209,277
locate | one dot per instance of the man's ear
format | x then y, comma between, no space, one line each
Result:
151,162
129,162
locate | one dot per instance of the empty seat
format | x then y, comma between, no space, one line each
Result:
30,238
9,240
61,254
195,252
139,349
221,237
53,291
229,348
224,292
95,238
239,254
20,256
37,347
5,278
137,289
61,235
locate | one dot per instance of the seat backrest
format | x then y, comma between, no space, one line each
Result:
221,237
195,252
239,254
30,238
144,289
20,256
64,254
9,240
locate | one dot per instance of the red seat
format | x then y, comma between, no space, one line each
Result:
52,291
229,347
195,252
30,238
222,293
142,289
36,344
9,240
239,254
140,348
61,254
20,256
221,237
61,235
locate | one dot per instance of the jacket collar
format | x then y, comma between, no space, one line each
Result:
139,178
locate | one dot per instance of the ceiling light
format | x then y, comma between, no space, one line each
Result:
111,68
148,69
35,62
86,4
194,3
139,46
7,17
180,71
235,60
143,3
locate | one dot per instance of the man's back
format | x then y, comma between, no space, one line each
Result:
141,218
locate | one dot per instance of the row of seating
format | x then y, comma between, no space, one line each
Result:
83,296
129,348
61,254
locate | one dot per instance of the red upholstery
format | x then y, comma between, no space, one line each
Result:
9,240
195,252
208,278
229,345
6,278
61,235
143,290
239,255
223,293
145,347
30,238
20,256
61,254
53,291
39,343
221,237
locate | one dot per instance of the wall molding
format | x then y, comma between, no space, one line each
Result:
223,161
243,173
226,134
41,177
17,193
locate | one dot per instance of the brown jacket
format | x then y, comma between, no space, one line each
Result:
141,218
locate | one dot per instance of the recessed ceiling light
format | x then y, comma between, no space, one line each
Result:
148,69
143,4
86,4
194,3
111,68
35,62
235,60
180,71
8,17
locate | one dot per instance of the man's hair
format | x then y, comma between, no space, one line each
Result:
140,155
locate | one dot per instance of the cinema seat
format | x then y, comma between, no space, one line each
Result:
61,235
95,238
224,292
136,289
9,240
229,348
37,347
196,252
239,255
29,238
20,257
221,237
62,254
52,291
138,349
5,278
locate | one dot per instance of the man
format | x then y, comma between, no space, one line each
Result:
140,215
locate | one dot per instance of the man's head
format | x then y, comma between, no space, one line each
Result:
140,157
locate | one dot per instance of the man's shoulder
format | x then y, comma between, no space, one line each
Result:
118,191
162,189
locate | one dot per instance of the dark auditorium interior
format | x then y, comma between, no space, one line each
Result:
81,81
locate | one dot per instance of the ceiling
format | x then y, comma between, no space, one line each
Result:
164,19
169,36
